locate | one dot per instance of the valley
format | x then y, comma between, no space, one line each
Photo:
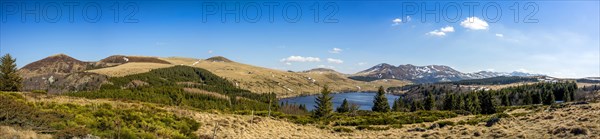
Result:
176,97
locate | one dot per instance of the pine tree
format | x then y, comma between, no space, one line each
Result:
449,102
460,102
398,105
429,102
474,106
324,107
487,103
380,104
505,100
9,78
528,99
573,91
549,97
345,107
567,96
537,98
415,106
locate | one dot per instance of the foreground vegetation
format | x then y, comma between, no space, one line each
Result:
103,120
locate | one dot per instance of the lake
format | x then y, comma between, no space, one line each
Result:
363,99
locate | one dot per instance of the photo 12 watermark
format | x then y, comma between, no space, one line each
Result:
452,12
253,12
53,12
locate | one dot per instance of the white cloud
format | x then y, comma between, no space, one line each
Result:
436,33
474,23
210,51
288,63
336,61
441,31
361,63
499,35
396,21
447,29
408,18
335,50
300,59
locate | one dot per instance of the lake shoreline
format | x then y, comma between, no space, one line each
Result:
363,99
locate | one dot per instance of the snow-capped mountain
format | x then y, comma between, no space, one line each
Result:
426,74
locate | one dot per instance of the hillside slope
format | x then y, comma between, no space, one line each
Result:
285,84
60,73
49,74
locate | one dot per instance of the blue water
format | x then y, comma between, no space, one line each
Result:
364,100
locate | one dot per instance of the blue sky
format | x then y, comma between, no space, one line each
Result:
563,42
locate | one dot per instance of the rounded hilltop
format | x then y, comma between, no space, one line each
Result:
218,59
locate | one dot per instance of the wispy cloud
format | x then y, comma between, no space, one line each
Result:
300,59
474,23
335,51
336,61
499,35
441,31
396,22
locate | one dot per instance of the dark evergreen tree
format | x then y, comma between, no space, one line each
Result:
380,104
345,107
398,106
549,98
487,103
528,99
505,100
450,102
567,96
537,98
415,106
473,105
9,78
324,107
429,102
460,102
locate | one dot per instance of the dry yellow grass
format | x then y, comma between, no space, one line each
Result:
129,68
581,85
7,132
543,122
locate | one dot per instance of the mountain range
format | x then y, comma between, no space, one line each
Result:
62,73
426,74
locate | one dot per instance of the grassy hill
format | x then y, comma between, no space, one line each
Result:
174,85
283,83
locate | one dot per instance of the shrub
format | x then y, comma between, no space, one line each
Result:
343,129
374,128
578,131
39,91
442,124
396,126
